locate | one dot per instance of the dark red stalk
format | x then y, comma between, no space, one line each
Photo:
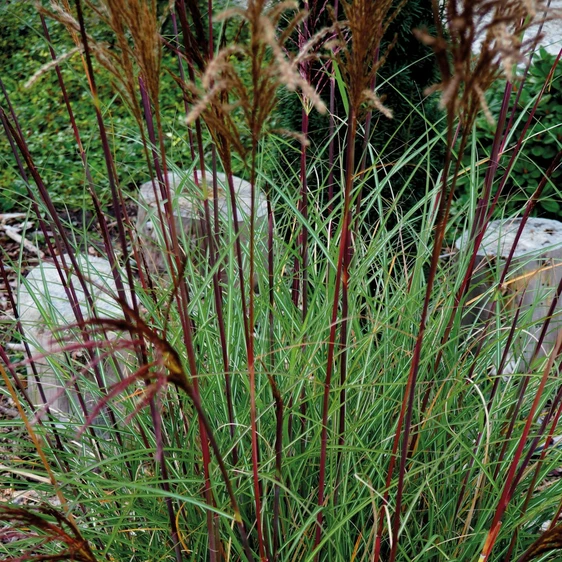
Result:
213,236
554,414
301,262
303,237
275,390
247,314
211,228
110,166
345,297
99,214
495,155
100,217
304,35
182,300
182,77
278,465
255,131
332,133
210,17
346,220
43,227
303,266
493,393
161,189
509,480
218,307
343,360
497,150
214,257
409,393
204,420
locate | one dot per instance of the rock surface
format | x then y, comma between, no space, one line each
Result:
187,202
535,272
48,321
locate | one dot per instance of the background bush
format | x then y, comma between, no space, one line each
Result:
541,142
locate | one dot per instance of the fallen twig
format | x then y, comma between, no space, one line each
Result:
12,233
4,217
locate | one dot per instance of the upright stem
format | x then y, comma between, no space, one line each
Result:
341,271
406,411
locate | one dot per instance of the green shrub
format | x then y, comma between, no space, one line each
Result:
541,141
24,51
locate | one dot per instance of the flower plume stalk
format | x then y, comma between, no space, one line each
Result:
366,23
224,93
464,79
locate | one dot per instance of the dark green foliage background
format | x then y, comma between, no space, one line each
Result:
542,141
409,69
42,114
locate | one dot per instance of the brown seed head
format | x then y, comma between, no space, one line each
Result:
483,40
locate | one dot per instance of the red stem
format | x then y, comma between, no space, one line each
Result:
333,325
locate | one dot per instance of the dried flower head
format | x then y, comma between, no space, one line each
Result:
491,29
224,90
137,51
356,49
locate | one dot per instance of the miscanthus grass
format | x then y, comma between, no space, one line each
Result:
299,385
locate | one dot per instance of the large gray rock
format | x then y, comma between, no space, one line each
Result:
551,31
48,322
187,204
534,275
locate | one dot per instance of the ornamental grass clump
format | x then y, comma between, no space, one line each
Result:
225,433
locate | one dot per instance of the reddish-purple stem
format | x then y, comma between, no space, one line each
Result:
340,271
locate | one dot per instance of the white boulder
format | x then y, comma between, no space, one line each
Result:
49,325
187,204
